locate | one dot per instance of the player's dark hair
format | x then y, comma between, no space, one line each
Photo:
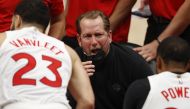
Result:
33,11
93,15
174,49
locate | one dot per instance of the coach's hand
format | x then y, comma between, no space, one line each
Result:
89,67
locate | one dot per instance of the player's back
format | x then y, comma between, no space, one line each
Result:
168,91
34,68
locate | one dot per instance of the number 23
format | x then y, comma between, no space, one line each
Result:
18,80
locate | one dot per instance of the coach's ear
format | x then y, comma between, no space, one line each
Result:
79,39
16,22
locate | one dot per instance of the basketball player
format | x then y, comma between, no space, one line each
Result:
170,89
36,69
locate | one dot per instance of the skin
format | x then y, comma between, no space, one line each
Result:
92,27
121,12
57,26
79,84
177,25
143,3
172,66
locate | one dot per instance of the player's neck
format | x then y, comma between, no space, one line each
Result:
176,70
174,67
38,27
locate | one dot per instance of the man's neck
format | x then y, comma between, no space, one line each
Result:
176,70
38,27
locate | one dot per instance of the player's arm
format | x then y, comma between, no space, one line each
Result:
57,26
136,94
79,85
179,23
121,12
177,26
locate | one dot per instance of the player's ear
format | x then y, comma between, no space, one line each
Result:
16,22
110,36
159,64
188,66
79,39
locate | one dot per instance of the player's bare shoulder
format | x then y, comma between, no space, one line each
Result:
2,38
72,53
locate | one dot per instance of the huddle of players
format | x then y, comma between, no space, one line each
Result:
28,83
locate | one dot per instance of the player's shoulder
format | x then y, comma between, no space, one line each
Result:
2,37
72,53
70,50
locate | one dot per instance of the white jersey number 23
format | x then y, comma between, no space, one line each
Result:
18,80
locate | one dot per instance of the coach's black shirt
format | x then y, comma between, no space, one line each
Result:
114,74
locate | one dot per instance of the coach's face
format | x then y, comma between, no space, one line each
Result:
93,36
